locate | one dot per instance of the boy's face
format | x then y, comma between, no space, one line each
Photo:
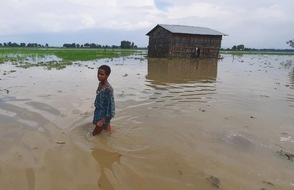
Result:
101,75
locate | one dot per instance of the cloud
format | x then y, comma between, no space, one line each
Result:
199,10
162,4
265,23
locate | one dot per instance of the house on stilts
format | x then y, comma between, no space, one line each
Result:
178,41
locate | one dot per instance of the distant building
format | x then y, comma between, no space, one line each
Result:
172,41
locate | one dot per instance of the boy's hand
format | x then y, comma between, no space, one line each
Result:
99,123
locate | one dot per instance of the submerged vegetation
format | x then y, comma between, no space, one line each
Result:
49,64
57,58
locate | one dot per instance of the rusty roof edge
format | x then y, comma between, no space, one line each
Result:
194,30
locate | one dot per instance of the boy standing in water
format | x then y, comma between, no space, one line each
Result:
104,102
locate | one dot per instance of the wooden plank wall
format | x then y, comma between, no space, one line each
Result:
163,44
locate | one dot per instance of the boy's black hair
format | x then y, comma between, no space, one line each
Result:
106,68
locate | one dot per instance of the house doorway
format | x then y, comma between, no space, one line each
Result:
197,52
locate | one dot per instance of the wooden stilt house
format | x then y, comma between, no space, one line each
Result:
172,41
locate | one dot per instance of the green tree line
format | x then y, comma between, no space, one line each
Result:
124,44
10,44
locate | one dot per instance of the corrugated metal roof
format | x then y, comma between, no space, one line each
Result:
181,29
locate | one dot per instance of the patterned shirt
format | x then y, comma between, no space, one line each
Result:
104,105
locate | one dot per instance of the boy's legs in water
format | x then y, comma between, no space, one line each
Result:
108,128
98,129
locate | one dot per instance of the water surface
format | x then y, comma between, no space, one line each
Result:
178,123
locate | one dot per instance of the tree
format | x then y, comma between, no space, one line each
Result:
93,45
240,47
127,45
32,45
291,43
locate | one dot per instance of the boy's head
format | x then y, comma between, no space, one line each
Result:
106,68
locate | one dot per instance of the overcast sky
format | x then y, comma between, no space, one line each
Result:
256,24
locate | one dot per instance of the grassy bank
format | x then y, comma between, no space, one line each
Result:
57,57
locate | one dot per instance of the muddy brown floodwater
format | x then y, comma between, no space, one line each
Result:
179,124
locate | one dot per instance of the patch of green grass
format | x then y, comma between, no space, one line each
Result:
59,57
90,54
48,65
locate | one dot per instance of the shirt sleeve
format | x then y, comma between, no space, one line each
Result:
110,108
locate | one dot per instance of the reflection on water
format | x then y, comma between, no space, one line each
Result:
174,81
106,167
21,116
162,71
292,77
186,121
290,97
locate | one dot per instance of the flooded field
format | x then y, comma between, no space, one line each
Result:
179,124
